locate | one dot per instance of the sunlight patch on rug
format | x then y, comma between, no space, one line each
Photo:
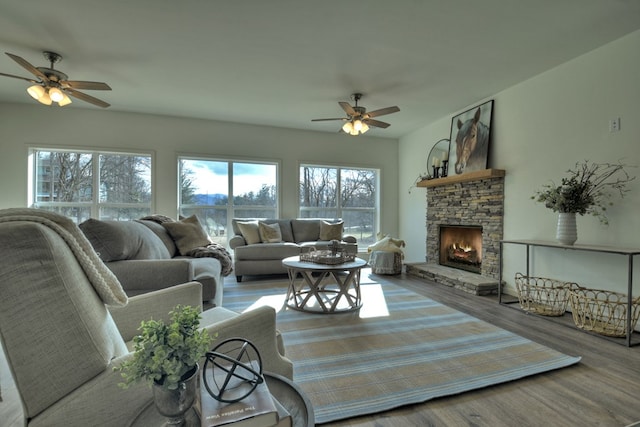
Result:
399,348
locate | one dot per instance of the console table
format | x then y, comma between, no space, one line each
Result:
629,253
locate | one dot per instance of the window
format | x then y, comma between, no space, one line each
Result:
205,186
347,193
86,184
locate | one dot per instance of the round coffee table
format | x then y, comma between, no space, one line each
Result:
308,291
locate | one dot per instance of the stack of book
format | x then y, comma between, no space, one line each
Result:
259,409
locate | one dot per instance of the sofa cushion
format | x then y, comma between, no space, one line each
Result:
162,233
267,251
305,230
285,228
187,233
249,230
331,231
120,240
269,233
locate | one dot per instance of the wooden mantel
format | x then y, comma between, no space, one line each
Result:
465,177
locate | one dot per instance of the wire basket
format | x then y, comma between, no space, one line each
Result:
603,312
539,295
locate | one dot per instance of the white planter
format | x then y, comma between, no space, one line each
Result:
567,231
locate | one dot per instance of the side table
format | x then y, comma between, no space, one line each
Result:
283,389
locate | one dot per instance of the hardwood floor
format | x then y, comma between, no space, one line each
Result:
602,390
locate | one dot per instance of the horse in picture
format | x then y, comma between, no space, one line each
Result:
472,144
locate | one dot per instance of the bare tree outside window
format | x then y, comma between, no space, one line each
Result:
66,182
356,203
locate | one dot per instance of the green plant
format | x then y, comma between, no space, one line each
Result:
588,189
164,353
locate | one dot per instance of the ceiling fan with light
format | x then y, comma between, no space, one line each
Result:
53,85
358,120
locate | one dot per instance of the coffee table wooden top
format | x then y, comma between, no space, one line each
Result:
295,263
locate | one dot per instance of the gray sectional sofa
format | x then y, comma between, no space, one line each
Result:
145,256
260,245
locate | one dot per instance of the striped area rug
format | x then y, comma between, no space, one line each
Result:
399,348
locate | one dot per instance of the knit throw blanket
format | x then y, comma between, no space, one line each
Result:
101,278
212,250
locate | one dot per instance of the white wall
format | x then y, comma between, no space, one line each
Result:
540,128
24,125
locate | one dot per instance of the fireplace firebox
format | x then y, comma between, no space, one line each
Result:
461,247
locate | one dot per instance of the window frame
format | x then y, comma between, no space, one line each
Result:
338,208
231,207
94,205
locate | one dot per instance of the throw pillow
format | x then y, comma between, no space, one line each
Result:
331,231
250,232
120,240
269,233
187,233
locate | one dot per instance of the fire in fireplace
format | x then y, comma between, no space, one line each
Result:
461,247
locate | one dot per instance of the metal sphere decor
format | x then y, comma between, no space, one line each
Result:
232,370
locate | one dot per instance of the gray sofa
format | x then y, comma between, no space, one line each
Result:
256,252
144,257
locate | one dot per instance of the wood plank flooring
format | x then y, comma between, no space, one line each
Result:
602,390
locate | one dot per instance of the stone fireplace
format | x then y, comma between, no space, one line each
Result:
456,205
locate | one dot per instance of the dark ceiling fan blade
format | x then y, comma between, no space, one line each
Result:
383,111
348,108
75,84
87,98
19,77
27,66
325,120
376,123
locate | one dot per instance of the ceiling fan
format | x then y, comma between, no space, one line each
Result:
358,120
53,85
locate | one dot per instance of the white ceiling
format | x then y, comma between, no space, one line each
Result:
284,62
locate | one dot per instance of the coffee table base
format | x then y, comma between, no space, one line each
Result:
307,292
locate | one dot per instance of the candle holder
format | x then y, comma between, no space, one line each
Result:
445,169
436,172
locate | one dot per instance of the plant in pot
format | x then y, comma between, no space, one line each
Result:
166,356
587,189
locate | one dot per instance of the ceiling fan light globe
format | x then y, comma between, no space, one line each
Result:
56,94
357,125
45,99
365,127
36,91
354,133
348,127
65,100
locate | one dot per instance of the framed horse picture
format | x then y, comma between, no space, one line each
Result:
470,135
